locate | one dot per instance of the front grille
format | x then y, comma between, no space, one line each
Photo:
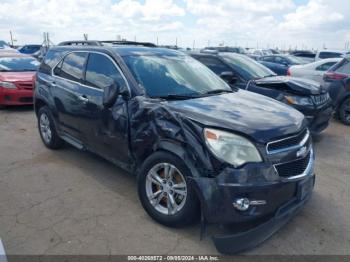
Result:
293,168
28,86
320,99
284,144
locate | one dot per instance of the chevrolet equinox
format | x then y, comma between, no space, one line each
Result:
198,148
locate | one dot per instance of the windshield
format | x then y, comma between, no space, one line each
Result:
179,75
3,44
295,59
247,66
18,64
29,49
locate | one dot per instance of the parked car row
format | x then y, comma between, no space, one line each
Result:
280,63
242,72
210,135
313,71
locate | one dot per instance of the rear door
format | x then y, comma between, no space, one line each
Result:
68,75
105,130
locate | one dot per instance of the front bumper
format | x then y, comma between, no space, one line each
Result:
238,242
319,119
16,96
258,182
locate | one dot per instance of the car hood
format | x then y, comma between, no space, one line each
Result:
295,85
253,115
17,76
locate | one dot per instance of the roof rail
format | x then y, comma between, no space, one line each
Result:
124,42
209,51
103,42
79,43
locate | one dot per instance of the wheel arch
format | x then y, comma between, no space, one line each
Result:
39,103
177,149
346,96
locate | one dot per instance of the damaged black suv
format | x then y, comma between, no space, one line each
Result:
307,96
198,148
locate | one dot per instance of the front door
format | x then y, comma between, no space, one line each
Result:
105,130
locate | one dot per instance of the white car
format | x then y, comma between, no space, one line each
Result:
324,54
6,48
313,71
259,52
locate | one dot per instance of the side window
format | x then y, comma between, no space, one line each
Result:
268,59
215,65
280,60
324,55
72,66
325,66
57,69
344,68
101,72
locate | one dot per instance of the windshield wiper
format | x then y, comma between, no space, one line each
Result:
218,91
176,97
270,75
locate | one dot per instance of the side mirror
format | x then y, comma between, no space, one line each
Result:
110,94
229,77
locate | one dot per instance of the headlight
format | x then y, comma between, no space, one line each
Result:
298,100
233,149
7,85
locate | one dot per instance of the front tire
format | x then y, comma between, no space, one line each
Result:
47,129
164,190
344,112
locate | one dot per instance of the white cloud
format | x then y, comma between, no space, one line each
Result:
312,16
273,23
241,22
152,10
68,19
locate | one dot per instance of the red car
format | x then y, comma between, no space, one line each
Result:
17,72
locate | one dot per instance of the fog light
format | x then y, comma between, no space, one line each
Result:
241,204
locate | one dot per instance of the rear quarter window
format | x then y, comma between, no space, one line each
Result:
72,67
343,67
325,67
51,59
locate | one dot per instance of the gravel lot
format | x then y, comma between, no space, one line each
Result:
72,202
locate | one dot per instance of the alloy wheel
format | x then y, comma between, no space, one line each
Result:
166,188
45,128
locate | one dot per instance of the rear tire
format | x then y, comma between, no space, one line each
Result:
165,192
47,129
344,111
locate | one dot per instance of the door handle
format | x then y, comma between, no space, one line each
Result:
83,99
53,84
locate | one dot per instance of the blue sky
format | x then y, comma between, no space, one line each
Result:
253,23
